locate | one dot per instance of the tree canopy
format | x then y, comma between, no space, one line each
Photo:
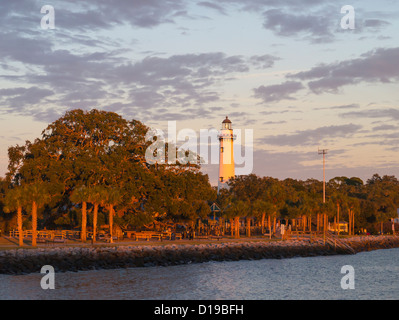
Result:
85,152
92,165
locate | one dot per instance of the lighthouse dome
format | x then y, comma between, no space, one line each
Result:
227,120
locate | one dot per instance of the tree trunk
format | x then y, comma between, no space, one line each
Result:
95,212
20,232
335,224
232,227
269,225
34,224
339,225
111,221
350,222
263,223
84,222
237,227
248,227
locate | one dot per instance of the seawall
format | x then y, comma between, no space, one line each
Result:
22,261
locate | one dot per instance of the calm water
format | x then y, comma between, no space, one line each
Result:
376,277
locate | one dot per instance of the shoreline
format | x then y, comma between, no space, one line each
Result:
75,258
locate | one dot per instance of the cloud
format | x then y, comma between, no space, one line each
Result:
316,26
274,122
379,65
260,5
96,15
375,23
18,98
312,136
264,61
84,79
213,6
385,127
389,113
341,107
278,92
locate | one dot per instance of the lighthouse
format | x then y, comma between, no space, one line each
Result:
226,154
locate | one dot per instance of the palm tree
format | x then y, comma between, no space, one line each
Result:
340,200
308,206
96,197
15,200
353,206
81,195
112,198
261,208
38,196
248,217
236,210
275,196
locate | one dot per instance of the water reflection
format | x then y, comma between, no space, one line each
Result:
298,278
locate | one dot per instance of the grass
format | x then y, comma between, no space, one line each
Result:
10,244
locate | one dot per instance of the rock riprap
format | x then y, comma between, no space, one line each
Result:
21,261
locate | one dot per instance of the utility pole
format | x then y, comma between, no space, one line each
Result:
324,152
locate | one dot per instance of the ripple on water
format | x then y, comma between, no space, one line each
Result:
297,278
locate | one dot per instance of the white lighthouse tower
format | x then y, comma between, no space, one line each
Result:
226,154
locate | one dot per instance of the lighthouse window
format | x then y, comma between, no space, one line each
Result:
221,179
221,149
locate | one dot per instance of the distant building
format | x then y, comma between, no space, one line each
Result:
226,154
342,226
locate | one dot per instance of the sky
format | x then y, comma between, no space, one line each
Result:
286,70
